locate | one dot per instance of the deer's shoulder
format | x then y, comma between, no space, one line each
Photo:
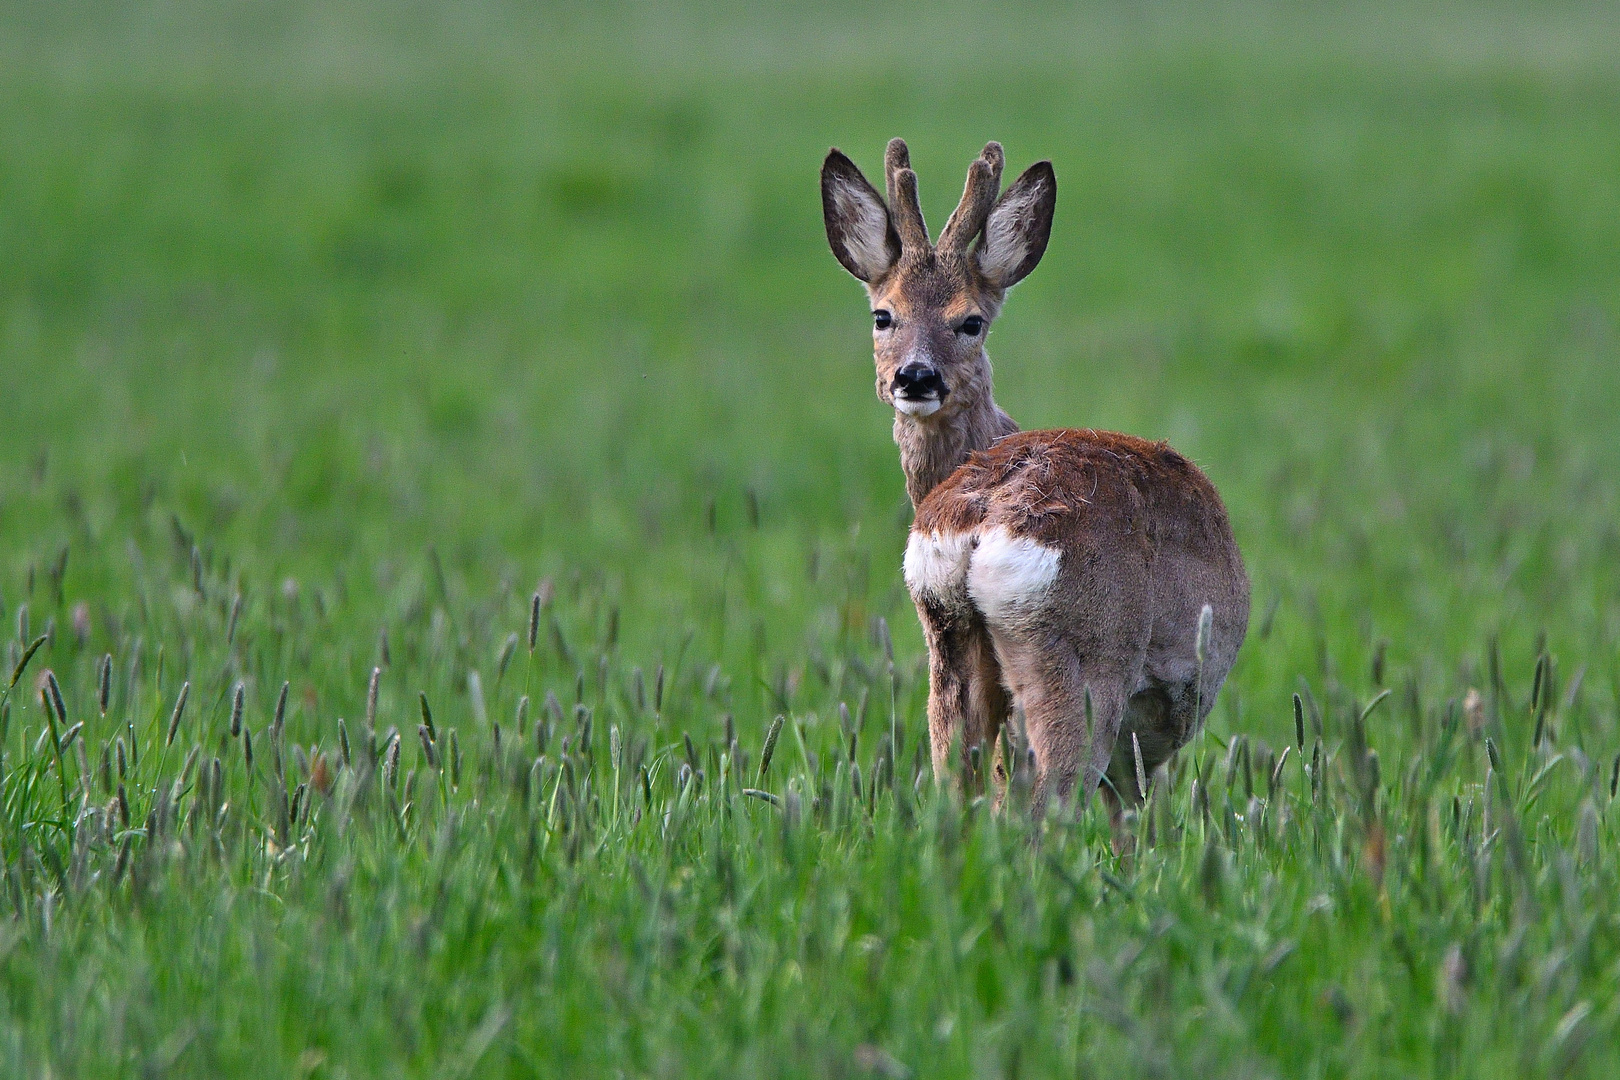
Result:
1031,479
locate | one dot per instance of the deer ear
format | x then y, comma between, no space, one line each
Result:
1019,225
858,226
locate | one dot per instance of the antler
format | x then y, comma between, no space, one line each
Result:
983,185
903,205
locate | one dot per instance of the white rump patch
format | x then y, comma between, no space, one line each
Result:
1005,577
936,566
1010,576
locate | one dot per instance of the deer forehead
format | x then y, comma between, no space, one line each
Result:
945,289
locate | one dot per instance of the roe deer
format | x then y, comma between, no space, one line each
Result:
1077,574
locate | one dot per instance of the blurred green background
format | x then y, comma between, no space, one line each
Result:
400,308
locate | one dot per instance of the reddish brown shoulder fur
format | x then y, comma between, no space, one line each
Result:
1032,479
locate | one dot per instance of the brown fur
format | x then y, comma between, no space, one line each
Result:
1146,544
1143,539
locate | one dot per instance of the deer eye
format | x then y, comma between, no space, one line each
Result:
972,326
882,319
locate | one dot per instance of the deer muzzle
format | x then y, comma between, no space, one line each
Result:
919,389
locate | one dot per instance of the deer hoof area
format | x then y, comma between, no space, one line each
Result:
1004,576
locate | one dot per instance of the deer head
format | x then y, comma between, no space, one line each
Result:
932,304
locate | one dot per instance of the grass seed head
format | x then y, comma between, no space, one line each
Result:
237,700
1206,618
281,709
475,692
534,620
427,745
179,711
104,684
371,698
770,746
1474,712
1586,833
247,750
82,758
343,742
507,651
427,715
391,767
56,695
321,776
1141,770
28,653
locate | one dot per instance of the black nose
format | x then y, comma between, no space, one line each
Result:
917,380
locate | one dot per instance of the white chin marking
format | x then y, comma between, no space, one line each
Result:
910,407
1009,576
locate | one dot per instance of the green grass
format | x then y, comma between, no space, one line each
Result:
330,332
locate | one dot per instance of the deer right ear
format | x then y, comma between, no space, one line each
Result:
858,226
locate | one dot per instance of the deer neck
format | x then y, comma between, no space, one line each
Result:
932,447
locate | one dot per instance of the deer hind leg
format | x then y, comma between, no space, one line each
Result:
967,703
1053,685
1059,663
985,718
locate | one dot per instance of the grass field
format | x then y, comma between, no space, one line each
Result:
332,334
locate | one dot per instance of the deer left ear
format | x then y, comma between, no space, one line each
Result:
858,226
1019,225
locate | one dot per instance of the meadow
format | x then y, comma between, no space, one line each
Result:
449,543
